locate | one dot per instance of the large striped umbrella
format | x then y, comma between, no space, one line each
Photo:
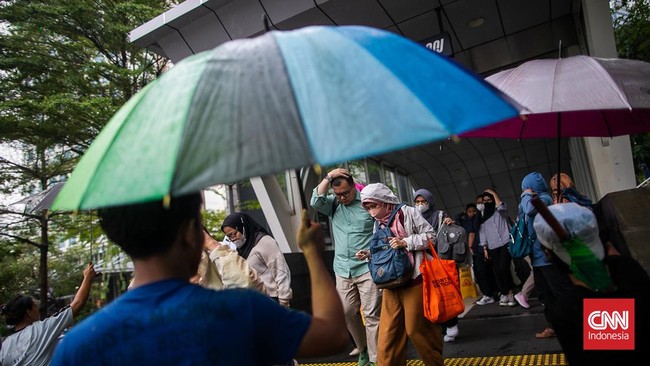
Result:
284,100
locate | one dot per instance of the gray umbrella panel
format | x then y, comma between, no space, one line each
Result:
40,201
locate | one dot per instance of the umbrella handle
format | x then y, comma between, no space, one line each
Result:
560,231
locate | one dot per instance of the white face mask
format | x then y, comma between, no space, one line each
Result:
480,207
423,207
240,242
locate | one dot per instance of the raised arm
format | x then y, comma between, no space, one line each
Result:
327,333
81,297
334,173
497,200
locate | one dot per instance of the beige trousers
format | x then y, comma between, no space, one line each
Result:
361,293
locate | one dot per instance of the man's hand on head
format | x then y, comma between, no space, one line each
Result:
338,172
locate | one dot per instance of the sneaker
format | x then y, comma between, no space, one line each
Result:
364,360
511,300
372,363
521,299
453,331
503,300
448,339
485,300
355,352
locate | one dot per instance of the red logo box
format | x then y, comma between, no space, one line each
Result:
608,324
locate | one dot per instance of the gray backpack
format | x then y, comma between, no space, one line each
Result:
451,242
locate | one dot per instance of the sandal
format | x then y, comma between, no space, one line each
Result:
546,333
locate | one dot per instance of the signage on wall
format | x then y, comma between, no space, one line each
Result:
440,43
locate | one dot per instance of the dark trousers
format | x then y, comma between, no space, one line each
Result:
484,275
551,284
501,261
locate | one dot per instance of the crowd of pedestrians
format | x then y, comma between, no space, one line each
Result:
173,252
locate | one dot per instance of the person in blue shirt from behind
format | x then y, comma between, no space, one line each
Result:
550,283
165,320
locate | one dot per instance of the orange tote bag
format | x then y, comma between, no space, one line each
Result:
441,288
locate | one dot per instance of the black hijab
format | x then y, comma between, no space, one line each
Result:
247,226
490,207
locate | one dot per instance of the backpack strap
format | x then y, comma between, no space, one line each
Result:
392,215
335,204
390,218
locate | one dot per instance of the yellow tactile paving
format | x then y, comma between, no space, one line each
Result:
553,359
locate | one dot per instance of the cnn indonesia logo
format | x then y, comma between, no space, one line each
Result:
608,324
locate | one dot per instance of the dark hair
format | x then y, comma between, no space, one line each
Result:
470,205
337,181
146,229
14,311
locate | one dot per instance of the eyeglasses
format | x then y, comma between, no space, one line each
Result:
232,235
343,194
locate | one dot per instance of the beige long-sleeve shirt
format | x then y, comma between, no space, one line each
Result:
268,260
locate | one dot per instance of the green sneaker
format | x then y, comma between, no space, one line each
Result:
364,360
372,363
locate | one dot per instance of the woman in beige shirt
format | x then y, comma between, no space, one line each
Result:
262,253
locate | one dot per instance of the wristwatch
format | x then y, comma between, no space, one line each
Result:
329,179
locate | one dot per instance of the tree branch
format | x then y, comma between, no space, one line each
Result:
23,240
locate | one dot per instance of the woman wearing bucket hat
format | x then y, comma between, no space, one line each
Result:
597,272
402,313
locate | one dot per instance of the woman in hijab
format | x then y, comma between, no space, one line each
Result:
549,282
494,236
402,313
262,253
423,201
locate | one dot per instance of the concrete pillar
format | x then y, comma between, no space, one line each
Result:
612,168
282,214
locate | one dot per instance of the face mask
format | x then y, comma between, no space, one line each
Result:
240,242
423,207
480,207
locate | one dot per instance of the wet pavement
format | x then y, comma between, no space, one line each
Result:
489,335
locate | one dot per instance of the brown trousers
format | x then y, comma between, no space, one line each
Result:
402,315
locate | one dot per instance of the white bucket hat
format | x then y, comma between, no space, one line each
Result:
379,192
579,221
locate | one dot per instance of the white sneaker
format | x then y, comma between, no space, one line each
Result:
485,300
503,300
355,352
448,339
452,331
511,300
521,299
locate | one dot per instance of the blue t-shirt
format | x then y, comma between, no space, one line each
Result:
173,322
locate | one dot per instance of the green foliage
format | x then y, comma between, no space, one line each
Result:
212,220
65,68
632,31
